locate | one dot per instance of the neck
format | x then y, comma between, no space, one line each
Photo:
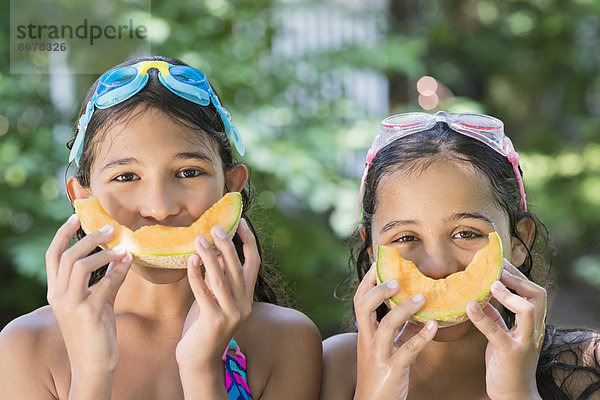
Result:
465,346
155,294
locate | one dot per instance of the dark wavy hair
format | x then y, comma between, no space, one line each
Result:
418,151
203,119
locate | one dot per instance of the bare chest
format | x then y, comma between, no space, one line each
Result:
447,387
450,394
148,369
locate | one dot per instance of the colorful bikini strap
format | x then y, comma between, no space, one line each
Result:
236,378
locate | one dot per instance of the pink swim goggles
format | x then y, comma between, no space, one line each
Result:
484,128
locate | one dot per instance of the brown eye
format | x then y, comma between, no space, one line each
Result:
466,235
126,177
189,173
405,239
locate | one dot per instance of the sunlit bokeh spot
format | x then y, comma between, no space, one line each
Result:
591,155
487,12
590,188
21,222
570,164
429,102
521,23
159,30
15,176
427,86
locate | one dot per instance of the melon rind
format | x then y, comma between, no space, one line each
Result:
158,246
390,265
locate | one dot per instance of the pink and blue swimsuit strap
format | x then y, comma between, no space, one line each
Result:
236,380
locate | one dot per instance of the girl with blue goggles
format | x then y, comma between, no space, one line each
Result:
120,84
120,328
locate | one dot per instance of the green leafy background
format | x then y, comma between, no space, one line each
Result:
534,64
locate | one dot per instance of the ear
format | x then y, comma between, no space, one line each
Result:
75,190
236,178
525,228
363,236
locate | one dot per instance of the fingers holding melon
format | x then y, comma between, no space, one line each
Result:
231,282
252,259
516,280
368,282
57,247
445,299
224,296
202,293
161,246
529,303
391,325
377,347
69,269
216,277
368,297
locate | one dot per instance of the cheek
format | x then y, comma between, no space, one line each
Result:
372,249
201,204
506,239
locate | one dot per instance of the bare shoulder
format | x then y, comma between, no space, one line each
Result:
577,356
276,328
30,332
29,347
341,346
339,367
283,317
285,348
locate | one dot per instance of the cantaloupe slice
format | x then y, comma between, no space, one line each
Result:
161,246
445,299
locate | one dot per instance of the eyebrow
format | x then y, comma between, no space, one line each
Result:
393,224
179,156
193,155
467,215
120,161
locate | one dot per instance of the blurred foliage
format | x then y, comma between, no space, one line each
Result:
534,64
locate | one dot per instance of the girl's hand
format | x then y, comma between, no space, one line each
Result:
224,300
511,356
383,359
85,314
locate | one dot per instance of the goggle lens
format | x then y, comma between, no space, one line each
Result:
401,125
480,123
188,75
116,78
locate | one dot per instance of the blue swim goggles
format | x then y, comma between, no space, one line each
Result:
120,84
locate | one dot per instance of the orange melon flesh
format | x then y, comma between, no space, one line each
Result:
445,299
161,246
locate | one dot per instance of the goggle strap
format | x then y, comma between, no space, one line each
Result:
82,124
230,130
369,160
513,158
77,147
360,191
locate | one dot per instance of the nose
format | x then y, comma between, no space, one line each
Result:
437,260
159,202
